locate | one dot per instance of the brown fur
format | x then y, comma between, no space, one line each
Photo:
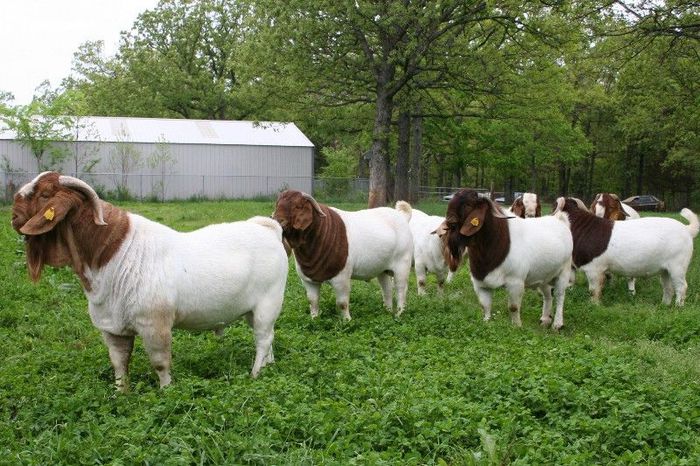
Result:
319,239
471,224
518,208
591,234
71,237
612,205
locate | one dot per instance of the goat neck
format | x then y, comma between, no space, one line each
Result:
591,234
321,250
488,247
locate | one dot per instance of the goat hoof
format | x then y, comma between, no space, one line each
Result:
545,322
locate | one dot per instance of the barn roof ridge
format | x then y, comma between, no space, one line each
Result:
186,131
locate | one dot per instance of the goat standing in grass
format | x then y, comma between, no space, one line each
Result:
143,278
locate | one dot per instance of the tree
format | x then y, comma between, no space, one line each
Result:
124,159
161,160
40,131
346,53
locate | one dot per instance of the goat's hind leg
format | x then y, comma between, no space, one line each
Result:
120,348
546,317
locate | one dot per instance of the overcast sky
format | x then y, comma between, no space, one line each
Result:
38,37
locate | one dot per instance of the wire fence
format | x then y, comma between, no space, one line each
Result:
167,187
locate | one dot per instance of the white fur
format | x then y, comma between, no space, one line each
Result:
379,245
530,203
428,254
599,211
539,257
648,246
205,279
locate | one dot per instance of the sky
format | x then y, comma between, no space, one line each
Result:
38,37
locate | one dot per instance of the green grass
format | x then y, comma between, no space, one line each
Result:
619,384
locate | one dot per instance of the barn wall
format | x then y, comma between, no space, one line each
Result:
196,170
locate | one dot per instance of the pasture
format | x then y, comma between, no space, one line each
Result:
619,384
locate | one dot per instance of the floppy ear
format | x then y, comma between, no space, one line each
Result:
49,216
518,209
303,219
475,220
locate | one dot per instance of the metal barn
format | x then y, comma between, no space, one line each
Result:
166,159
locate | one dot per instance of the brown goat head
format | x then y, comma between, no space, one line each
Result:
518,208
295,210
41,211
466,214
608,205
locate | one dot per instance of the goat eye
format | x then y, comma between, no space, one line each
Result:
45,195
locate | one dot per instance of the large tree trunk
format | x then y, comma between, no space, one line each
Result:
378,194
564,176
402,157
414,175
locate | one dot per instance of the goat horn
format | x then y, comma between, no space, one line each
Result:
83,187
313,203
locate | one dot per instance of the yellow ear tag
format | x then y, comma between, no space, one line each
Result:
475,222
49,214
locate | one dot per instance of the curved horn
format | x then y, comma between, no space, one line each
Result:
580,203
83,187
313,202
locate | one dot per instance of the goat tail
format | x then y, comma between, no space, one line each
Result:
405,208
270,223
694,225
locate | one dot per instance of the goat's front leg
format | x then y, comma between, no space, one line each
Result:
341,286
485,298
157,340
313,290
596,279
120,348
515,299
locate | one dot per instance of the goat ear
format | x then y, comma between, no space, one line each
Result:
303,219
475,220
49,216
518,209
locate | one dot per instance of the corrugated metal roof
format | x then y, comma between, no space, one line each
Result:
151,130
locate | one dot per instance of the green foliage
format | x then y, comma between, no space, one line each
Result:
619,385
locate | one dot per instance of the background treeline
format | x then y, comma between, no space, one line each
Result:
556,97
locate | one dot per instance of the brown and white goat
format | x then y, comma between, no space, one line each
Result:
510,252
335,246
608,205
143,278
644,247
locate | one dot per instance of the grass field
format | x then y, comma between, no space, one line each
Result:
619,384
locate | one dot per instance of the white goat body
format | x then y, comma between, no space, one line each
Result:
428,250
643,247
202,279
379,244
539,257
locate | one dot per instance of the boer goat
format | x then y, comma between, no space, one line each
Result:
335,246
510,252
143,278
429,252
526,206
608,205
644,247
